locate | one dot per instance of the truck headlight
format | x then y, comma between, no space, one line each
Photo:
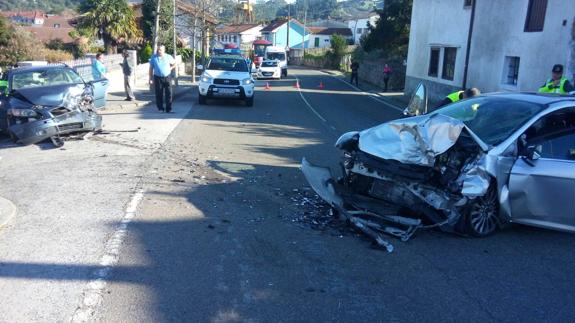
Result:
26,113
247,81
206,79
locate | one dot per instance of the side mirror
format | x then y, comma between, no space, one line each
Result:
200,67
418,103
532,153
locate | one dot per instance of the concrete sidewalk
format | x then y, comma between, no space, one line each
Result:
116,94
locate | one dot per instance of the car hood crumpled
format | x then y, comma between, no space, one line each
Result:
51,96
415,140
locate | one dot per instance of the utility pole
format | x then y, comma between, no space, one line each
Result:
288,23
304,28
157,25
175,44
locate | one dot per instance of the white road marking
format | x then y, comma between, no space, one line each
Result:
309,105
93,292
371,95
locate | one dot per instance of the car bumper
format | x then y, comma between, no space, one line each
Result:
264,75
226,92
37,131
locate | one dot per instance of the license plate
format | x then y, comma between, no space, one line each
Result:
227,91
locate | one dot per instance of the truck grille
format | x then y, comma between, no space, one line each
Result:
226,82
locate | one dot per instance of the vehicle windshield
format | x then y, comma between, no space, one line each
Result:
493,119
47,77
278,56
270,64
228,64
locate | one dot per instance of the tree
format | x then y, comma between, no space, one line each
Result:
391,31
112,20
338,49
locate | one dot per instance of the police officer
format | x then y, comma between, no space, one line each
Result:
557,83
459,95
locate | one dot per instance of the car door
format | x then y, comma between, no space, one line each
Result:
100,88
541,189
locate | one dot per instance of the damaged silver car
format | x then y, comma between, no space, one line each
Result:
470,167
48,101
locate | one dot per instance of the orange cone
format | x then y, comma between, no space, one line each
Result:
267,86
321,85
296,85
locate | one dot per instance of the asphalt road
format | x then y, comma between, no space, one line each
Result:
217,233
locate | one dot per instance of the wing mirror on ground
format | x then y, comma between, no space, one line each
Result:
418,103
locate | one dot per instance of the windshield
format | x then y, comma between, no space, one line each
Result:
228,64
493,119
278,56
259,50
270,64
48,77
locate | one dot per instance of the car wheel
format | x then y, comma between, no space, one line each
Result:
201,99
481,218
249,102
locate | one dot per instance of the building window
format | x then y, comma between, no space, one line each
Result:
535,15
56,25
467,3
449,55
359,31
316,42
433,62
235,39
511,70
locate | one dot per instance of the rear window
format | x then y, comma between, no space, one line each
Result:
270,64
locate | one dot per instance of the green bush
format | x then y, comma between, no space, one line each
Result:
146,53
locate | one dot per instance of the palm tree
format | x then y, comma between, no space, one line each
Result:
112,20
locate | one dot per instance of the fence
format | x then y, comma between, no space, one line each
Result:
83,66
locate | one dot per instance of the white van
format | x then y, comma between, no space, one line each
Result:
278,53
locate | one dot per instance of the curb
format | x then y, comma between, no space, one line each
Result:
138,104
7,211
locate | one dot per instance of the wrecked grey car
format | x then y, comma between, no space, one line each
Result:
470,167
44,102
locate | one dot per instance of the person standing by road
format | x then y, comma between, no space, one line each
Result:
161,66
386,75
557,83
127,69
354,73
98,68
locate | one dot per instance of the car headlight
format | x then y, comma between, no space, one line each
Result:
348,141
248,81
206,79
27,113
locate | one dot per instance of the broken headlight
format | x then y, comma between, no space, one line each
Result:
22,113
348,141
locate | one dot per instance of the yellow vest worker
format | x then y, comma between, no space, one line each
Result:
557,83
458,95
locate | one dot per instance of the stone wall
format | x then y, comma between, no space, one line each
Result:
372,72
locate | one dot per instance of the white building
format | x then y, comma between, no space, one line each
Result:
358,25
238,34
513,44
320,37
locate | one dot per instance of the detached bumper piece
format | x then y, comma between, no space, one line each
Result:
352,208
76,121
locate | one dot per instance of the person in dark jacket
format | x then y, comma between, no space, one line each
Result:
354,73
127,69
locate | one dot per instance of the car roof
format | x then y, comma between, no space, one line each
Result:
36,68
539,98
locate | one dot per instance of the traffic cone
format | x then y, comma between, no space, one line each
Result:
296,85
321,85
267,88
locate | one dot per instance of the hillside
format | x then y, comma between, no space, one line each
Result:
49,6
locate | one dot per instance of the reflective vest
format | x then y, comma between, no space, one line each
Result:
3,86
455,96
550,88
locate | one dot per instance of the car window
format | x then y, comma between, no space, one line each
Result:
228,64
269,64
278,56
492,118
48,77
555,133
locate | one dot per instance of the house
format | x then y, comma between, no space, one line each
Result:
358,24
282,33
27,18
511,47
320,37
238,33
